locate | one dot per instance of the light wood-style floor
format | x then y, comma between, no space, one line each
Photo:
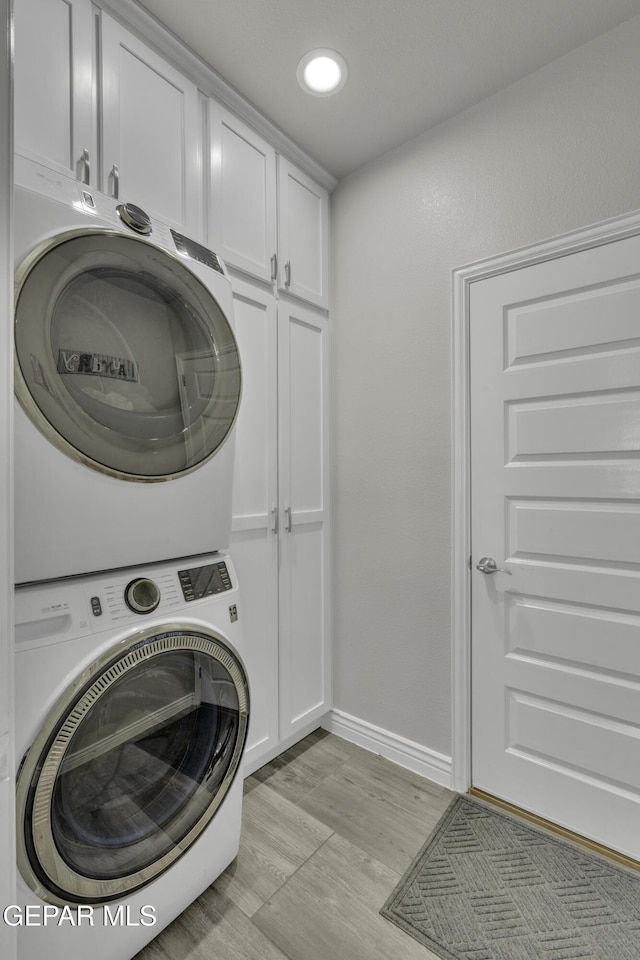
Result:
328,830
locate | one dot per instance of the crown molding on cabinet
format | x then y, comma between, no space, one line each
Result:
153,32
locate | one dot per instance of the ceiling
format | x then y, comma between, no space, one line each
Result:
412,63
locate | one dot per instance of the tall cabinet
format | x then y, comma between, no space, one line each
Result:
270,222
304,517
103,104
280,531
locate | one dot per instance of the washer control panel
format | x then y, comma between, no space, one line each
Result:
59,610
206,581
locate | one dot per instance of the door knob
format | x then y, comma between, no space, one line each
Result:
488,565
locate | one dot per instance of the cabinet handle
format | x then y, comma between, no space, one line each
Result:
274,266
287,273
86,166
288,525
275,524
114,177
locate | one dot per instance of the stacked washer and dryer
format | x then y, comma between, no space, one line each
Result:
132,700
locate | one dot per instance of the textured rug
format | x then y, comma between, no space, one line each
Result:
487,886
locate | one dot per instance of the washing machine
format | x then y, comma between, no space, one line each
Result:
128,384
132,707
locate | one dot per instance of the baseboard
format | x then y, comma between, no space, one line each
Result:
266,754
428,763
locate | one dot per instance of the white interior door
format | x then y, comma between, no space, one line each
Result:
555,466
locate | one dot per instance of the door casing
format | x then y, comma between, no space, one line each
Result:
606,231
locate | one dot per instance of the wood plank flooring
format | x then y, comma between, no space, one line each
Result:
328,830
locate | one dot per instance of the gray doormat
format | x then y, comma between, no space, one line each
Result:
487,886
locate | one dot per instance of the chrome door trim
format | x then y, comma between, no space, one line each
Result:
24,395
44,758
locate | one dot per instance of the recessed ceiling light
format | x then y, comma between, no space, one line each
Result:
322,72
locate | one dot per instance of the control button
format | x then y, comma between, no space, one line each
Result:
134,217
142,595
96,607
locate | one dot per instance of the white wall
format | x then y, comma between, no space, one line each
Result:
554,152
7,819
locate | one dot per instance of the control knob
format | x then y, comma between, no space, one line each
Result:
142,595
134,217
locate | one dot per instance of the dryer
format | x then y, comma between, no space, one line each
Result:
128,383
132,705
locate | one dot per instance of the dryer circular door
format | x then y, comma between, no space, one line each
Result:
125,359
131,765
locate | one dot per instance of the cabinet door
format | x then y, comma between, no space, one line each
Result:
305,669
303,235
53,84
254,544
151,131
242,195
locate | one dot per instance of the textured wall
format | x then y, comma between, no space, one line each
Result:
554,152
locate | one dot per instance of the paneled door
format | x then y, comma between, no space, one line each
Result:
303,232
555,503
53,85
254,530
151,149
303,384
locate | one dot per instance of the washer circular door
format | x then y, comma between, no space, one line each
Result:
124,358
129,769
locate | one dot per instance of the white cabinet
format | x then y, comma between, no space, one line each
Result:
254,543
303,231
249,192
53,84
95,102
242,195
144,114
151,131
279,539
305,669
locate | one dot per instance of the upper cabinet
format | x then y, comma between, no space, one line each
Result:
242,195
246,199
151,130
144,114
53,84
303,229
95,102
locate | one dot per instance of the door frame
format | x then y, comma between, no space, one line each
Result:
606,231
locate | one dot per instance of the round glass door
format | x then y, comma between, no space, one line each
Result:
125,359
126,774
